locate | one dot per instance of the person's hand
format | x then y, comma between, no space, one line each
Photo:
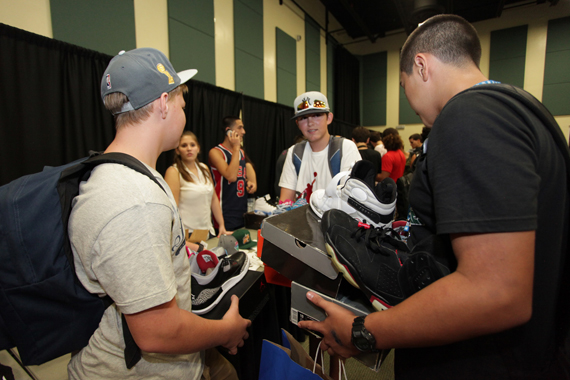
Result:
238,327
222,231
235,140
336,329
251,187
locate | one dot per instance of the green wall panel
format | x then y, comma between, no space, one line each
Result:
509,71
248,29
248,41
198,14
556,90
312,55
105,26
558,63
373,100
330,72
556,98
558,34
249,74
286,48
192,49
507,55
406,115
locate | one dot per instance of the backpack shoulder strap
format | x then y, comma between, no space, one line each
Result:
297,156
123,159
335,154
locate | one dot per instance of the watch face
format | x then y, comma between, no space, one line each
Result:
361,338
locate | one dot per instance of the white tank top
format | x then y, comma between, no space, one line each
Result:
195,202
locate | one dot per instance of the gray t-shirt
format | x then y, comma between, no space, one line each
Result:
128,243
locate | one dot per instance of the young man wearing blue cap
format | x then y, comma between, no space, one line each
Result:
313,116
128,241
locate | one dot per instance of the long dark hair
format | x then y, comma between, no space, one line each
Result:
182,168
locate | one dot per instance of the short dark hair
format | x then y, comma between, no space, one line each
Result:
415,136
360,134
375,136
229,121
425,133
450,38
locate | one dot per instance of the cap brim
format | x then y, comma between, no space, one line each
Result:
186,75
309,111
248,245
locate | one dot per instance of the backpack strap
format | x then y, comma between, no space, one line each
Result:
334,156
68,188
297,155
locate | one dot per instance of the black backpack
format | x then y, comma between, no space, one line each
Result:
45,309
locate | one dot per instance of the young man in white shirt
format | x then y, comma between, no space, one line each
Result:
313,116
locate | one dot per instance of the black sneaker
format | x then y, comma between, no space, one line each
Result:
223,274
375,260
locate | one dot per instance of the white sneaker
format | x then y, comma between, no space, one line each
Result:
262,205
359,197
329,198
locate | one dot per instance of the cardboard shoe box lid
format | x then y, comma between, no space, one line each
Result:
298,232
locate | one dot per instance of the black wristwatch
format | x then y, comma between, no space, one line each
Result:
362,338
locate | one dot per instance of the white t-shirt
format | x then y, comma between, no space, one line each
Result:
195,202
127,242
314,173
380,148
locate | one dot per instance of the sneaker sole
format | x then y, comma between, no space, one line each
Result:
225,287
377,302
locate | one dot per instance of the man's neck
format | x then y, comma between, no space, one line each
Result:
138,141
361,146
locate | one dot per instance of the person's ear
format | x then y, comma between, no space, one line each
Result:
163,105
330,118
420,64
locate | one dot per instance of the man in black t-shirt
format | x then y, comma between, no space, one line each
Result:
361,137
499,210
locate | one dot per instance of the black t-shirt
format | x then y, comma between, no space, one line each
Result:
492,169
372,156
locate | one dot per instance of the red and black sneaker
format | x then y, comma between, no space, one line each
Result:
375,260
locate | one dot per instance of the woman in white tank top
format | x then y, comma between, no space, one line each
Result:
193,189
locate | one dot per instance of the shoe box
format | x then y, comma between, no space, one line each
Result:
294,246
348,297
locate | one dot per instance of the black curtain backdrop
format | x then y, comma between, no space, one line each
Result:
51,111
269,130
347,86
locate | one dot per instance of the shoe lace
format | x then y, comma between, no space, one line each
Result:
372,238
